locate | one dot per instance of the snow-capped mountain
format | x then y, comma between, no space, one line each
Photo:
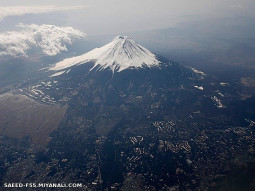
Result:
118,55
152,118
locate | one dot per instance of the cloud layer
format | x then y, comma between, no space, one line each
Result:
50,39
22,10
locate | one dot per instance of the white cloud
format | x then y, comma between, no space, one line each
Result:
51,39
238,6
22,10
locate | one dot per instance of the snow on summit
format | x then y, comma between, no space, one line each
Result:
118,55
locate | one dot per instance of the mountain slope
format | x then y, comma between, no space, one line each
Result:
160,126
118,55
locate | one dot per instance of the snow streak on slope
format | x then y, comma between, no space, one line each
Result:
118,55
58,73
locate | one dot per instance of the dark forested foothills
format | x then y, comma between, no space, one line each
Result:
124,96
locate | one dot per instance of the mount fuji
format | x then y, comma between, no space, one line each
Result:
118,55
130,117
119,67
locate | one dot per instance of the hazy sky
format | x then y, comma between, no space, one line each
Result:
52,26
117,16
198,32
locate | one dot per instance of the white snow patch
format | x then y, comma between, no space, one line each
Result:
57,74
48,84
220,94
35,92
39,91
217,102
118,55
224,84
252,123
199,87
198,71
